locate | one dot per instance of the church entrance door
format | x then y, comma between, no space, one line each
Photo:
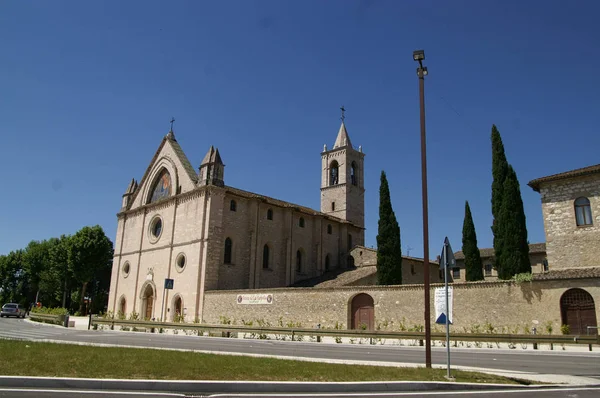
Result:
577,310
362,312
148,302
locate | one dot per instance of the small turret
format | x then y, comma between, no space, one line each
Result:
212,169
129,193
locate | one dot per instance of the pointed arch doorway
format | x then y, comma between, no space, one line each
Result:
362,312
577,309
148,298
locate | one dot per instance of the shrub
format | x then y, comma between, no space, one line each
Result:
50,311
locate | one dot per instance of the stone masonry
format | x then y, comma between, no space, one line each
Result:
567,244
503,304
182,236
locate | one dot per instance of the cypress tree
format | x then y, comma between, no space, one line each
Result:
473,263
389,252
499,172
514,258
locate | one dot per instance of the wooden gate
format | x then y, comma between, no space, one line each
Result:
577,310
362,312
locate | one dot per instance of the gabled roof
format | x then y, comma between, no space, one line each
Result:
170,137
534,248
343,139
535,184
189,169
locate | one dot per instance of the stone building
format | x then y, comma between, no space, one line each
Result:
571,212
537,256
189,229
364,271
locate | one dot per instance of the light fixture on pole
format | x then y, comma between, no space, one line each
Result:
419,56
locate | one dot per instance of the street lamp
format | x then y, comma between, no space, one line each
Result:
419,56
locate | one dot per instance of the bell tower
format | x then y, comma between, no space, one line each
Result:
342,179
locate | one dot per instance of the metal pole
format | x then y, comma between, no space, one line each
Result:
447,308
425,220
162,308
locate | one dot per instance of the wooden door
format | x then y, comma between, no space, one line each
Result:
149,305
578,311
363,312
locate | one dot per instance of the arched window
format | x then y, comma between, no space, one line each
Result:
353,174
301,222
123,307
162,187
334,173
228,247
332,206
270,214
299,261
266,256
327,262
232,205
329,229
583,211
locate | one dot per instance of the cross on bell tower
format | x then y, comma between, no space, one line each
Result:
342,180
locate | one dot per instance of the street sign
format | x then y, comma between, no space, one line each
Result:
440,305
168,283
443,297
451,261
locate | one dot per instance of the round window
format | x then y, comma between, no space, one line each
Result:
180,262
156,227
126,269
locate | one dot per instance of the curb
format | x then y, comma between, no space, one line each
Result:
555,380
212,387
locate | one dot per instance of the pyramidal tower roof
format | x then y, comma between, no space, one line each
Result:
343,139
132,186
212,156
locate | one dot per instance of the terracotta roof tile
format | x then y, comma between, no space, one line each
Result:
535,184
573,273
489,252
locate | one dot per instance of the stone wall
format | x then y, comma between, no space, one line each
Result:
364,256
412,268
569,245
536,259
502,304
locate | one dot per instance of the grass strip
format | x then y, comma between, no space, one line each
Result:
24,358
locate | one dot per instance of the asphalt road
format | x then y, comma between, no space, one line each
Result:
551,393
564,363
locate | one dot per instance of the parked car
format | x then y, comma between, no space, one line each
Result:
12,309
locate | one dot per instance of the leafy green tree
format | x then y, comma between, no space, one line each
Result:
389,252
12,278
90,253
473,263
514,257
499,172
54,283
36,258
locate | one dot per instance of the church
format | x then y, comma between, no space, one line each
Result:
183,232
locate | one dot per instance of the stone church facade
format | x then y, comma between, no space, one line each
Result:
190,228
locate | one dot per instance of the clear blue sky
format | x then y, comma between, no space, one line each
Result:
88,89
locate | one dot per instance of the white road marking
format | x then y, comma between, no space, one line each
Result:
413,393
103,392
